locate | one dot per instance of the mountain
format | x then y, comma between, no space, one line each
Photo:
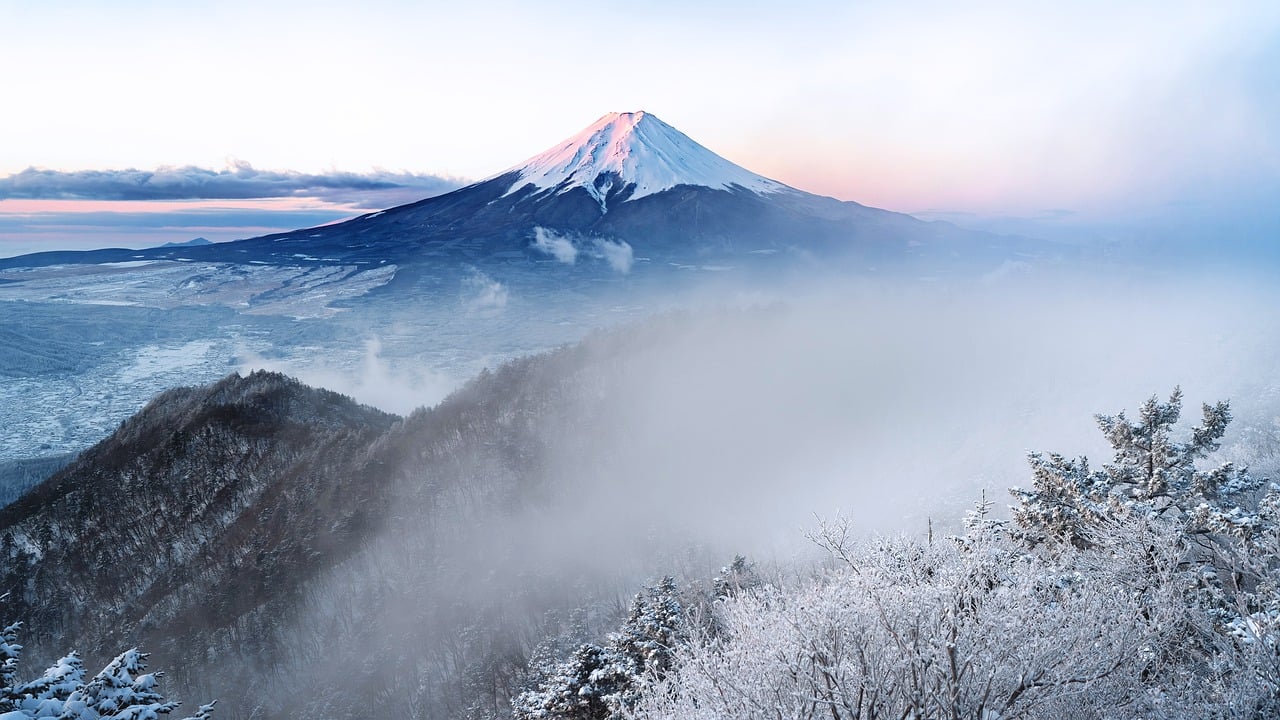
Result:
193,242
628,177
637,155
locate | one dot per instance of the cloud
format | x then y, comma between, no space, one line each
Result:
564,248
376,381
238,181
617,253
482,294
229,217
554,244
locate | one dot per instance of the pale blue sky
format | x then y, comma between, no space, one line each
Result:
1004,108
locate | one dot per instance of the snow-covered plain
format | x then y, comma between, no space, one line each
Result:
53,414
299,292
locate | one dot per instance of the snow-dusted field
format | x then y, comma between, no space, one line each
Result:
300,292
46,415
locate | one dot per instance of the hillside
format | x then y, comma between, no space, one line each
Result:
201,515
247,531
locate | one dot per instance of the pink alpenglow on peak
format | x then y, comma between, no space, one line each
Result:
640,150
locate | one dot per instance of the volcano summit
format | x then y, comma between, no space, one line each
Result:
637,154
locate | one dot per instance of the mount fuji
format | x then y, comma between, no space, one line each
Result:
627,178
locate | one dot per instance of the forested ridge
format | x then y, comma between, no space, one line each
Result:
256,536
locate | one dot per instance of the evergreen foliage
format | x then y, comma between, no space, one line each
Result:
603,682
734,579
10,652
1151,473
654,628
120,691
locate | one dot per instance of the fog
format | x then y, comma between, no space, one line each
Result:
890,402
737,424
374,381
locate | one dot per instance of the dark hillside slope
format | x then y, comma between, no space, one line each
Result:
206,506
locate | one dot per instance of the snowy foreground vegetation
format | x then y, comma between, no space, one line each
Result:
1147,588
121,691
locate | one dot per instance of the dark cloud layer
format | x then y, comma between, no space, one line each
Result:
211,217
239,181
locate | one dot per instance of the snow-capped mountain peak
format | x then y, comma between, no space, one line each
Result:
634,148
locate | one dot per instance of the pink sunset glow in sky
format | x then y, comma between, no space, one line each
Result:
994,108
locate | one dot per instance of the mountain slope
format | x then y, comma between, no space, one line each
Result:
201,496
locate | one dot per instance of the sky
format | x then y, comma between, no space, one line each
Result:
1076,116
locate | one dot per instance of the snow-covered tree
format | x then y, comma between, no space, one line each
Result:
1152,473
45,695
1148,588
121,691
735,578
594,684
562,635
974,630
601,682
10,652
654,628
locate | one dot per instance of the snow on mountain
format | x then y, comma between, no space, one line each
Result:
634,149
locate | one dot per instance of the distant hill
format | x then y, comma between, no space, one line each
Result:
19,476
194,242
205,510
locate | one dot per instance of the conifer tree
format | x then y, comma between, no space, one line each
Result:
1152,473
602,682
10,652
737,577
59,681
654,628
121,691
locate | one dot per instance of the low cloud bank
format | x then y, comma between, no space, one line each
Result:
617,253
891,403
238,181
